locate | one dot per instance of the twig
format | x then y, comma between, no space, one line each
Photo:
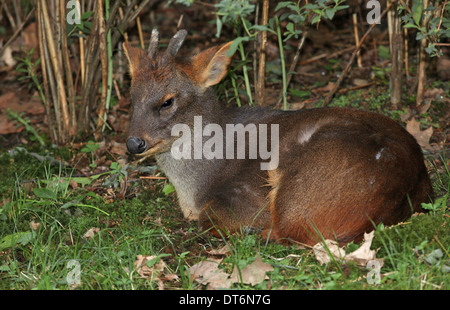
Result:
153,177
327,56
356,87
11,39
139,27
442,16
180,21
405,6
116,87
352,58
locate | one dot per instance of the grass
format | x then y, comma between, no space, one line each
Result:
415,253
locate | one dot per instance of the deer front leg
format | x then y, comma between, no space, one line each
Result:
227,214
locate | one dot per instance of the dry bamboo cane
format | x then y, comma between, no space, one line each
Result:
396,58
355,31
53,95
421,78
68,69
48,110
57,71
262,56
104,64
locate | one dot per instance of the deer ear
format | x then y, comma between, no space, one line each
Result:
211,65
135,57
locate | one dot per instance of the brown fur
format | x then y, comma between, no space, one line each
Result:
340,171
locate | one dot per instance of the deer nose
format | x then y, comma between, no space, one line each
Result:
136,145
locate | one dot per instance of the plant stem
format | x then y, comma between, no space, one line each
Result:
236,93
244,70
27,125
283,68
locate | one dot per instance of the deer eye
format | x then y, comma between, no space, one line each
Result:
167,104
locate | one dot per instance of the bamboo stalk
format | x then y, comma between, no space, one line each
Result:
421,78
256,51
91,59
355,30
405,44
104,64
82,59
48,111
68,70
51,81
57,71
262,55
396,58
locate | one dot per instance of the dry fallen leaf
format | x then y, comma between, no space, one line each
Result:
322,252
147,272
91,232
8,58
361,256
223,251
253,273
207,272
422,136
35,226
152,272
364,254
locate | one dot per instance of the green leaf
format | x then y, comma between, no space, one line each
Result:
168,189
417,13
282,4
91,146
315,19
330,13
383,52
219,24
82,180
410,25
290,27
44,193
11,240
262,28
234,46
299,93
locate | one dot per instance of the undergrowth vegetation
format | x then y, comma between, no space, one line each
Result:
60,230
80,216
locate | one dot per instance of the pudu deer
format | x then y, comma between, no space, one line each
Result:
338,172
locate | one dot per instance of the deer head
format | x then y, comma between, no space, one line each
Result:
167,90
